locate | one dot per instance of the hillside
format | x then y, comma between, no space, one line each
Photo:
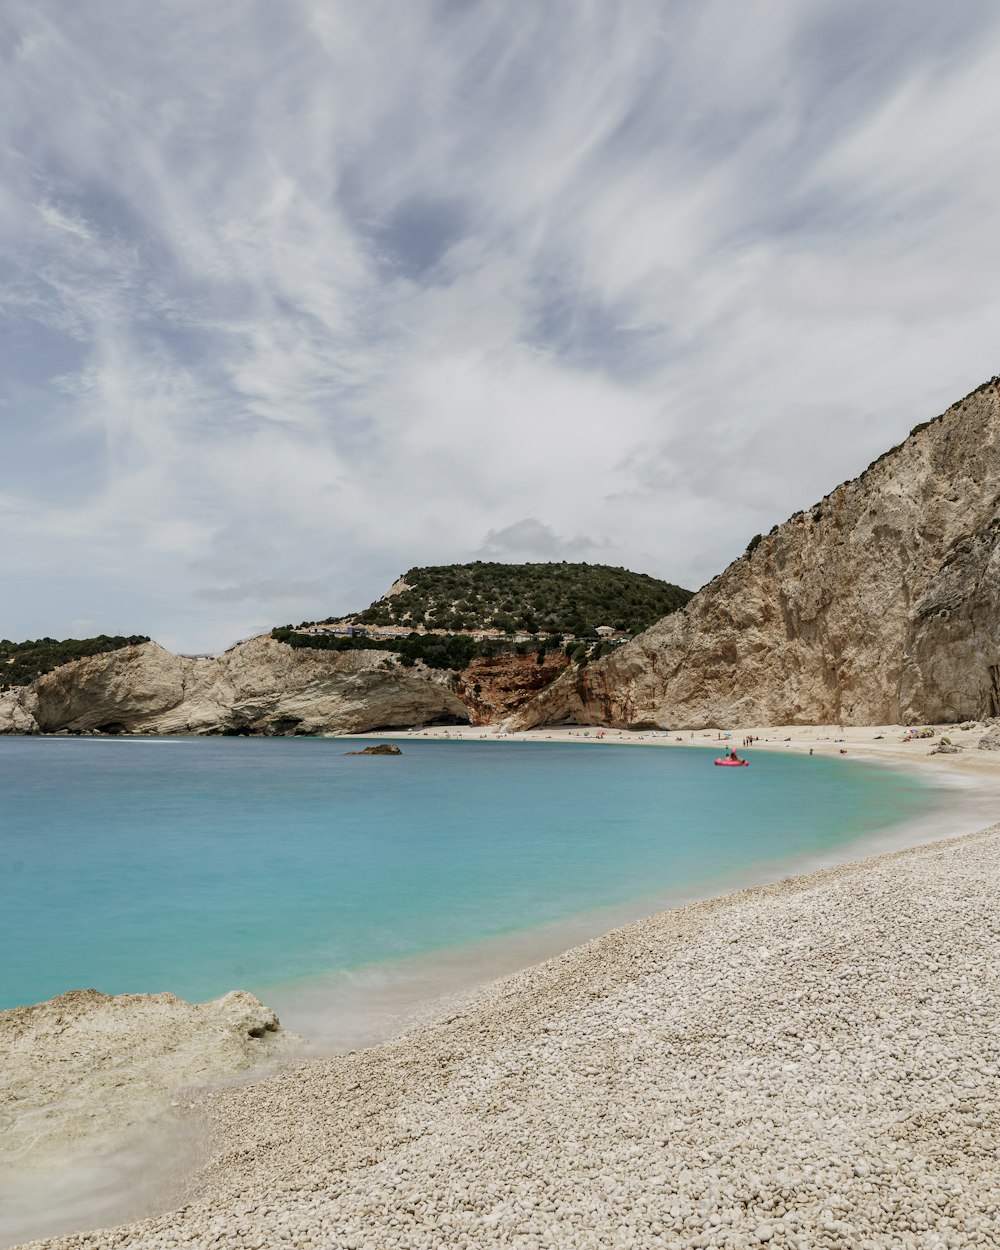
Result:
537,598
23,662
879,604
299,682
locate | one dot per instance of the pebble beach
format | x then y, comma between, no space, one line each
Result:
809,1064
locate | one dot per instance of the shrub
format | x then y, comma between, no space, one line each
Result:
23,662
558,597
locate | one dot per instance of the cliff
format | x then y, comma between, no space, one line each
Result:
260,686
880,604
493,687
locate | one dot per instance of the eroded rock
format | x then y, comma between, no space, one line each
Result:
258,687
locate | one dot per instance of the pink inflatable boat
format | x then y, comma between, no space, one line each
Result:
728,763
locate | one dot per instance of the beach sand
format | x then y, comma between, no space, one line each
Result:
886,744
812,1063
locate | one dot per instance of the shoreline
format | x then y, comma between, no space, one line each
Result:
869,742
385,998
771,994
435,1013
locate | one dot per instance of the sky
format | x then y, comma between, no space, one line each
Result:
296,296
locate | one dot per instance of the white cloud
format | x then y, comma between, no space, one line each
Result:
532,540
58,220
299,296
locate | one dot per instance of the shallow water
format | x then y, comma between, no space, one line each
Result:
196,866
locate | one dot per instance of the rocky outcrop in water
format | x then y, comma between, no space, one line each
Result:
880,604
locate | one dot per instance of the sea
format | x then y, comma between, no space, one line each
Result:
348,891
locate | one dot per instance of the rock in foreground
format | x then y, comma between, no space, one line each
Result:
82,1068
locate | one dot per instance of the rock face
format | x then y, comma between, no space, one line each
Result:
493,687
880,604
260,686
265,687
15,711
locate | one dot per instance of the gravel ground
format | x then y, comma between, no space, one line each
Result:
812,1064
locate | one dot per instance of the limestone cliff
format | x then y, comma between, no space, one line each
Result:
260,686
15,711
880,604
493,687
265,687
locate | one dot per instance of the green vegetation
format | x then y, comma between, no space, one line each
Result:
455,651
22,662
536,598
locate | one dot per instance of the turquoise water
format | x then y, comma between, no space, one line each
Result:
199,865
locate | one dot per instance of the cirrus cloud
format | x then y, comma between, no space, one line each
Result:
296,296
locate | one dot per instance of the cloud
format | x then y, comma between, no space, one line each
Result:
530,539
264,592
301,296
